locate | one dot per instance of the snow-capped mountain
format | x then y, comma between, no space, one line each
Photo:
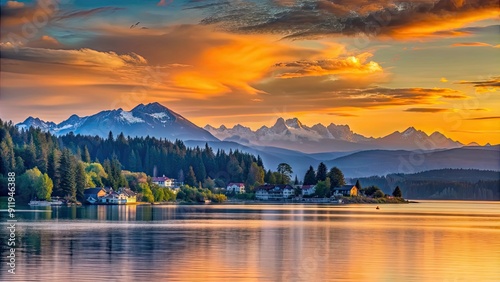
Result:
294,135
152,119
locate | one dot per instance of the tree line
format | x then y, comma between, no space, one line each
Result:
48,165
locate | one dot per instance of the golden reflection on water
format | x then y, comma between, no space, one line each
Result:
428,241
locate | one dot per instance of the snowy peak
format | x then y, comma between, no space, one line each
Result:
292,134
153,120
293,123
37,123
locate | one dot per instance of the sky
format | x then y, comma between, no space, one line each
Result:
376,65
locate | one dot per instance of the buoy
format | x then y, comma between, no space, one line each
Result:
378,208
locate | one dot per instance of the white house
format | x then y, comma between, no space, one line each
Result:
163,181
288,192
308,190
121,197
274,192
236,188
262,194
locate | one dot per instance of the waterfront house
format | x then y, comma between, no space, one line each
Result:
237,188
92,195
130,195
274,192
346,190
163,181
114,198
308,190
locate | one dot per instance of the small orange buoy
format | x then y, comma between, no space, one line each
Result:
378,208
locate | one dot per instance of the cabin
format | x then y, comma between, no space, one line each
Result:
92,195
163,181
346,190
237,188
308,190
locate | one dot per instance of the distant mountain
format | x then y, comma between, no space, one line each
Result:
294,135
383,162
152,119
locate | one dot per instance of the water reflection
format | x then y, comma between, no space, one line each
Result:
435,241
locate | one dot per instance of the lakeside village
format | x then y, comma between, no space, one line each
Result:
79,169
321,192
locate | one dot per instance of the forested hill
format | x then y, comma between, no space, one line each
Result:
445,184
95,161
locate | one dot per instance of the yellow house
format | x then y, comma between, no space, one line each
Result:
346,190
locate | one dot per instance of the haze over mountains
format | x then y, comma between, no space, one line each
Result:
290,141
292,134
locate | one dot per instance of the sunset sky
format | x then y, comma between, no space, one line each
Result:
377,65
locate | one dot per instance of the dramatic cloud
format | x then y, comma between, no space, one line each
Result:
336,66
426,110
319,18
484,86
82,57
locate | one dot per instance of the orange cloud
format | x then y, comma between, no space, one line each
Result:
472,44
335,66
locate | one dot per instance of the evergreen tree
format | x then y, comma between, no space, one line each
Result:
321,173
132,161
53,170
80,181
7,157
397,192
358,185
191,177
67,175
310,177
86,155
336,177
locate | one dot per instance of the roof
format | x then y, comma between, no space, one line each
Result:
91,191
272,186
237,184
127,192
161,178
344,187
305,187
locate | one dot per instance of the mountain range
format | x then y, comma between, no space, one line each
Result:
292,134
290,141
152,119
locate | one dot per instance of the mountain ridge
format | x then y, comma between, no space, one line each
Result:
152,119
293,134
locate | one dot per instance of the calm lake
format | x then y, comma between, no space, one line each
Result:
426,241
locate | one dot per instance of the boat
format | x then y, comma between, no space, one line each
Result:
45,203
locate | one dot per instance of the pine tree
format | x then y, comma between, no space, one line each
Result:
67,175
310,177
80,181
191,177
397,192
321,173
53,170
86,155
358,185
